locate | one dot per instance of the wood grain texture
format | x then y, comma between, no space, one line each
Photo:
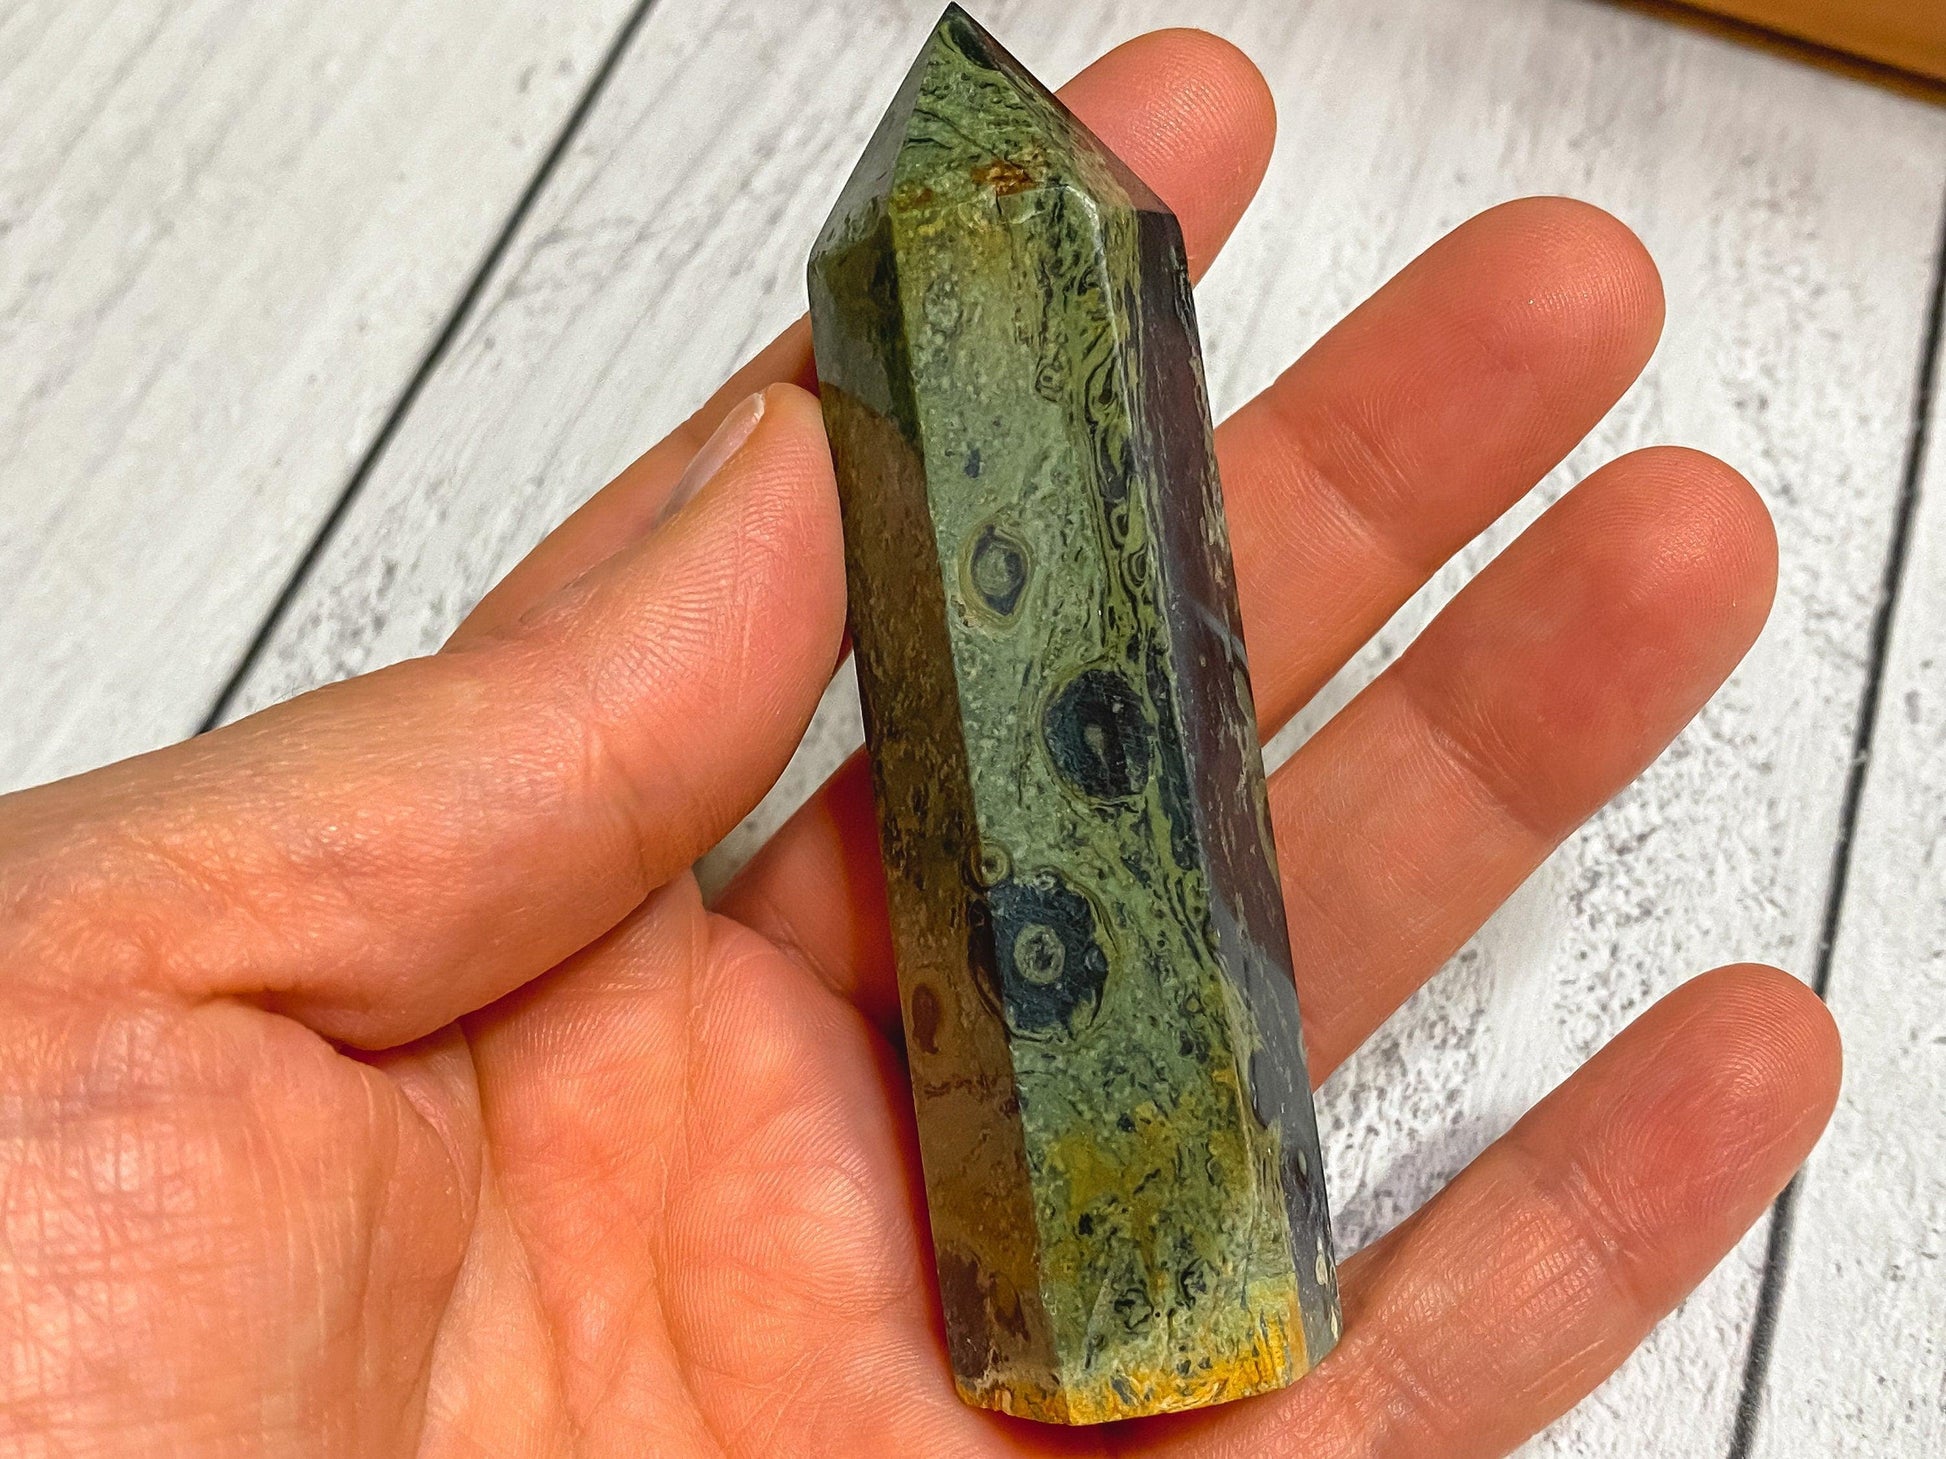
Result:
228,234
1793,213
1858,1364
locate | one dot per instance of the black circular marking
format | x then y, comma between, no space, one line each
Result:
1033,941
1097,735
996,569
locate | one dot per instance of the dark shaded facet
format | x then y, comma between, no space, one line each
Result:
1121,1160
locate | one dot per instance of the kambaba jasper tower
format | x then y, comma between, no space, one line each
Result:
1121,1158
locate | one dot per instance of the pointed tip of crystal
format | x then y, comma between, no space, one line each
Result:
955,20
968,115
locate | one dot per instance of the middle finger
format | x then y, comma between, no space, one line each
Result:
1432,408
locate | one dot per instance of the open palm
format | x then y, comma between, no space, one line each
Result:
373,1076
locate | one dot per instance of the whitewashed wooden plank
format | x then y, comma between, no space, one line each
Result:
229,231
1793,212
1858,1362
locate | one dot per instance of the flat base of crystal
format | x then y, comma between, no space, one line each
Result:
1137,1395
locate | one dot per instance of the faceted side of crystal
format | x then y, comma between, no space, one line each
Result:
1116,1129
1215,719
978,1186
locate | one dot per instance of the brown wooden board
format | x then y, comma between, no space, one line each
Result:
1909,34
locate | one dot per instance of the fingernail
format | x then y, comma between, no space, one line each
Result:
724,443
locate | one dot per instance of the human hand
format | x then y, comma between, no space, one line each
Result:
374,1076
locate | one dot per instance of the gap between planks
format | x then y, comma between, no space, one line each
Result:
1777,1249
429,363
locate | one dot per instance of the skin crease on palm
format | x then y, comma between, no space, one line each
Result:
375,1079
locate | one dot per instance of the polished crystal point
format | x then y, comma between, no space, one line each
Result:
1120,1154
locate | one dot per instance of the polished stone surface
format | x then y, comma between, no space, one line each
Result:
1121,1159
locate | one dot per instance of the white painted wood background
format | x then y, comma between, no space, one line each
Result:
358,300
